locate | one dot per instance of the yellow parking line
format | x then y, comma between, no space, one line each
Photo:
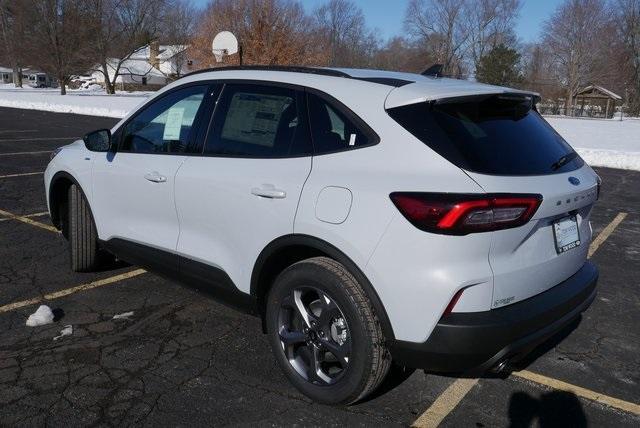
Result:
24,174
72,290
40,214
608,230
25,153
27,220
579,391
445,403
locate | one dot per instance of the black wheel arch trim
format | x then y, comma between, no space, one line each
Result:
302,240
54,216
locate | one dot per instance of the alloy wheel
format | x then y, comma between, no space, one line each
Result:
314,335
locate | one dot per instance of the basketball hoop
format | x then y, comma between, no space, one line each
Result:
224,44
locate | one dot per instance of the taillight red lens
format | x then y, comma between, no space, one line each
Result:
453,302
460,214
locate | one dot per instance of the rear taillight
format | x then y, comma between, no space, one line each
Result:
460,214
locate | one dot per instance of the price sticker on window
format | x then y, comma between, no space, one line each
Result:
173,124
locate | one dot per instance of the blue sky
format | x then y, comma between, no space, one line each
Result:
388,15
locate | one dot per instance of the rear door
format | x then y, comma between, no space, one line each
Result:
504,145
243,192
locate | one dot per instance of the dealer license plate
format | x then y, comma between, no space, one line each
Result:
566,234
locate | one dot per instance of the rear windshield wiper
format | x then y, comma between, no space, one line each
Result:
563,161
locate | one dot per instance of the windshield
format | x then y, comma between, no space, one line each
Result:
496,134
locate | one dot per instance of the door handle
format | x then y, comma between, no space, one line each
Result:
155,177
269,192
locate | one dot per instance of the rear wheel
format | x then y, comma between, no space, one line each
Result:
324,332
83,239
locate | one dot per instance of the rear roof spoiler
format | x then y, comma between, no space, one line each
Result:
444,88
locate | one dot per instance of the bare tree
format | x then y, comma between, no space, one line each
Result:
178,29
575,37
628,19
439,25
12,32
58,40
348,40
490,23
402,54
271,32
121,28
461,32
538,72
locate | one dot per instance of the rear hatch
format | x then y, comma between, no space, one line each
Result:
504,145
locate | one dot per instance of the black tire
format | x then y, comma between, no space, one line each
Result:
367,361
83,239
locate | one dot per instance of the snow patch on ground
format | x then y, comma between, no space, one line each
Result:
44,315
603,142
66,331
92,101
611,158
124,316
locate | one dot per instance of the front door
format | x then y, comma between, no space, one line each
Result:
134,188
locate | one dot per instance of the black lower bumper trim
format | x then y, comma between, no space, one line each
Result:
472,343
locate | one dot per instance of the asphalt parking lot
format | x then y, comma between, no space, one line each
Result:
183,359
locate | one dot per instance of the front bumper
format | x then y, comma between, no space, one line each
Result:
472,343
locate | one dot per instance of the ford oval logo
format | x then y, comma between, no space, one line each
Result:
574,181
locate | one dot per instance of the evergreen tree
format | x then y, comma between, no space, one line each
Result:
500,67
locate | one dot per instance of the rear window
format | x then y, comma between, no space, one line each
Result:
497,134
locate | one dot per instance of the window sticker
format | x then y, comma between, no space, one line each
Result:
173,124
254,118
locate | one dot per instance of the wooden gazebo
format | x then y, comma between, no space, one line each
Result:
596,101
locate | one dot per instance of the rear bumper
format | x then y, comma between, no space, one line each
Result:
472,343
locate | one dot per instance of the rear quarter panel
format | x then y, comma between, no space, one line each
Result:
409,269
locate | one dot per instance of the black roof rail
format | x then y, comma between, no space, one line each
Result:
289,68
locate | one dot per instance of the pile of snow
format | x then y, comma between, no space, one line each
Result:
92,101
44,315
602,142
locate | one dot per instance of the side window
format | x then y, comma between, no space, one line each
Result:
258,121
165,125
331,130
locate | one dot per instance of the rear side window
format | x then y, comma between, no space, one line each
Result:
497,134
259,121
331,129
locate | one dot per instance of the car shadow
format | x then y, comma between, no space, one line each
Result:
553,409
107,264
546,346
395,377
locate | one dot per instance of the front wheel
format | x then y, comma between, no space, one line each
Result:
324,332
83,239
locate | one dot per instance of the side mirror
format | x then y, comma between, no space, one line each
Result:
98,141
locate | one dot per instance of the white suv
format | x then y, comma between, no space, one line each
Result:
370,218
